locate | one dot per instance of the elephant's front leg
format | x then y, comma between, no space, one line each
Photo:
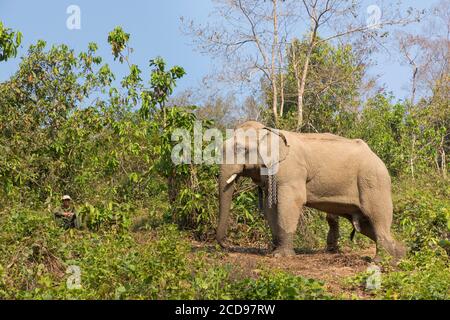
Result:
271,216
333,233
290,205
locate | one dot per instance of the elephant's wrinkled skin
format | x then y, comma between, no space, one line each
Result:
339,176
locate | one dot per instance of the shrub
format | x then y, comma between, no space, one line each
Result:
106,214
280,286
422,213
424,276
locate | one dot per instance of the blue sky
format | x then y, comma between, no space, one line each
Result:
154,28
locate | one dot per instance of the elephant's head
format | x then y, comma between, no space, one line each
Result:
254,151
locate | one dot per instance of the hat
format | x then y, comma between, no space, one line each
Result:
66,197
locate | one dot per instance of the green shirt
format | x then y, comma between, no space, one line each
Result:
67,222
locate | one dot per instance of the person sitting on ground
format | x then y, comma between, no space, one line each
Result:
66,215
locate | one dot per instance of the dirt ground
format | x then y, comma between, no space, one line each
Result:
331,268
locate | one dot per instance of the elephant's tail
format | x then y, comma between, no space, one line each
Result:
352,234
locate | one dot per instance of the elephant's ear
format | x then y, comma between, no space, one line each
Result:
273,146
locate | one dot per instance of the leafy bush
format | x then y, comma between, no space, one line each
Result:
422,213
280,286
106,215
406,138
424,276
35,256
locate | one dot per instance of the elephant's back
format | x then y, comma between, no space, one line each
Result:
327,137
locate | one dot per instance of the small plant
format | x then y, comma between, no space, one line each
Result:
424,276
106,215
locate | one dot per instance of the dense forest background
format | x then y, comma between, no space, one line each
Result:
68,125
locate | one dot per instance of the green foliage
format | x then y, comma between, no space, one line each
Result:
162,83
9,42
195,206
116,265
383,126
106,215
281,286
331,95
118,39
27,250
401,136
248,222
424,276
38,106
422,213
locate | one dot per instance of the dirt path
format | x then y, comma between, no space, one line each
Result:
332,269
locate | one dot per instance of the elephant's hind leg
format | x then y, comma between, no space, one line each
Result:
333,233
376,224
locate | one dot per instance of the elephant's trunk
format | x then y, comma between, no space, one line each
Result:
226,188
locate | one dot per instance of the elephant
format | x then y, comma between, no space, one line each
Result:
342,177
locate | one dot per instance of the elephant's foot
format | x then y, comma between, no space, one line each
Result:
377,259
332,249
333,234
276,242
284,247
389,248
283,252
393,261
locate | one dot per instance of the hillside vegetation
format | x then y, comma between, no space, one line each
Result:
69,126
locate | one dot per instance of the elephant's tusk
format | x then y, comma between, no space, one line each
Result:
232,178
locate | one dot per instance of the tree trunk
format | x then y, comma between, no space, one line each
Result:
301,88
295,66
411,160
443,158
273,67
280,61
275,101
443,164
414,85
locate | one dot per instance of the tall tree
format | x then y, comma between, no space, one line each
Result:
341,19
332,91
252,36
427,51
249,42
